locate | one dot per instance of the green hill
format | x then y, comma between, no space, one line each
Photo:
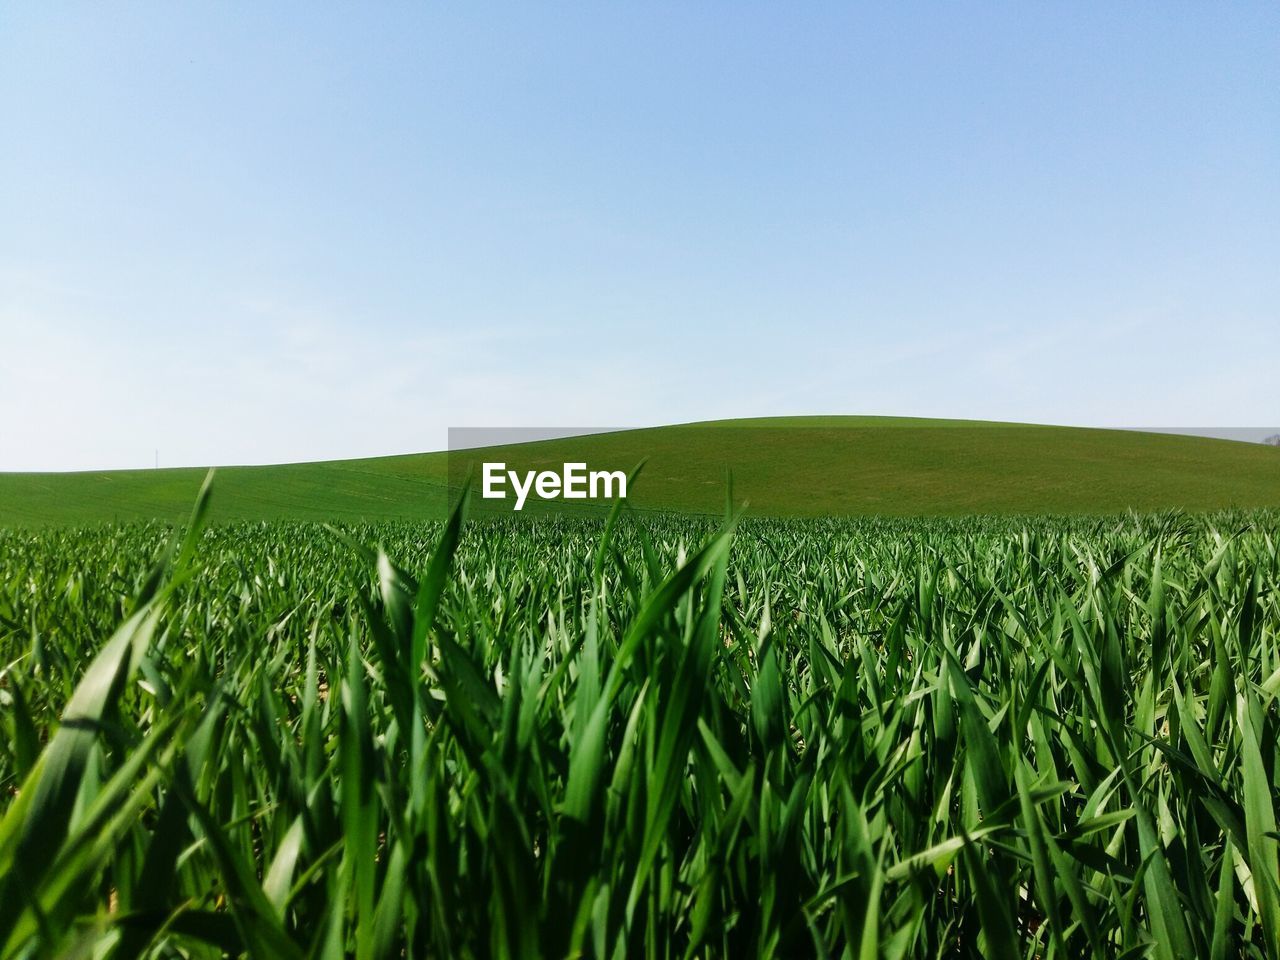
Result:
807,466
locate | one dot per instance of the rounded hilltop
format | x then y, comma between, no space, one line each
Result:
782,466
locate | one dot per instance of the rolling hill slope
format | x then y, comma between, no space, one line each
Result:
809,466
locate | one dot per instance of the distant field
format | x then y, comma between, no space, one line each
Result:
805,466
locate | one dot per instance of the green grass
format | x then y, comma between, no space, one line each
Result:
660,737
808,466
383,488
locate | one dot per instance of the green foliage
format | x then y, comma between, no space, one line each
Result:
782,467
646,737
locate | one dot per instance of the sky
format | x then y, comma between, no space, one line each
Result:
247,233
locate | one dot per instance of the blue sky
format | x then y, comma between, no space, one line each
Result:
252,233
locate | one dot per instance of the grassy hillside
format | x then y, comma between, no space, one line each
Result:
807,466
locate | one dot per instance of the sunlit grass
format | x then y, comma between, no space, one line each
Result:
661,738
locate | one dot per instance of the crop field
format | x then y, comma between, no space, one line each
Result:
644,736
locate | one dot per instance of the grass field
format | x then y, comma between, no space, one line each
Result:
809,466
651,732
660,737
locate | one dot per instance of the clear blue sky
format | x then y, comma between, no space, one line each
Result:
258,232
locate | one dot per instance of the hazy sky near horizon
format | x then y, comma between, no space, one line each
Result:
285,231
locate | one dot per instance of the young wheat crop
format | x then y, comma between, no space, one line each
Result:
655,737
